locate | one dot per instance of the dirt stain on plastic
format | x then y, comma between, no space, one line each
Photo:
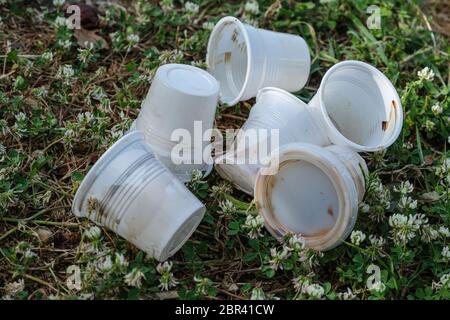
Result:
392,113
330,211
227,57
234,36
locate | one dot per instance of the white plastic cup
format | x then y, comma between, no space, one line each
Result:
274,109
129,191
245,59
358,107
314,194
179,96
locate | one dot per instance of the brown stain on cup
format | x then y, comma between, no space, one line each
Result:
227,57
392,113
330,211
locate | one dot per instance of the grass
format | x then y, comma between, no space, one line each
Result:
61,106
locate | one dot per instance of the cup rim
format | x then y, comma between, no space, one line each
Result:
287,94
339,176
92,174
214,34
398,107
192,223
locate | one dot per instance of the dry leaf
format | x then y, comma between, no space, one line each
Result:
86,37
44,234
432,196
167,295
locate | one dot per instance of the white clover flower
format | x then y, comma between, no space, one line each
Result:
437,109
405,227
315,291
191,8
133,39
134,278
364,207
167,280
12,289
346,295
170,56
84,55
167,5
444,231
254,224
426,74
277,257
98,93
295,243
60,22
208,25
357,237
227,207
429,125
202,284
120,260
443,169
93,233
69,133
58,3
378,286
376,241
220,190
85,117
252,7
408,145
47,56
446,253
40,92
66,73
444,282
29,254
197,175
66,44
21,117
116,134
300,283
164,267
407,203
105,264
404,188
258,294
429,233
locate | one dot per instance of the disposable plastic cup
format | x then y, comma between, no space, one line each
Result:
358,107
245,59
181,99
274,109
313,194
130,192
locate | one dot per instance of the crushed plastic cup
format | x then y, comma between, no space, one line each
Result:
180,98
314,194
132,193
274,109
358,107
245,59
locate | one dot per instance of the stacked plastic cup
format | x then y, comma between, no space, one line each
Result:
177,116
245,59
132,193
356,106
